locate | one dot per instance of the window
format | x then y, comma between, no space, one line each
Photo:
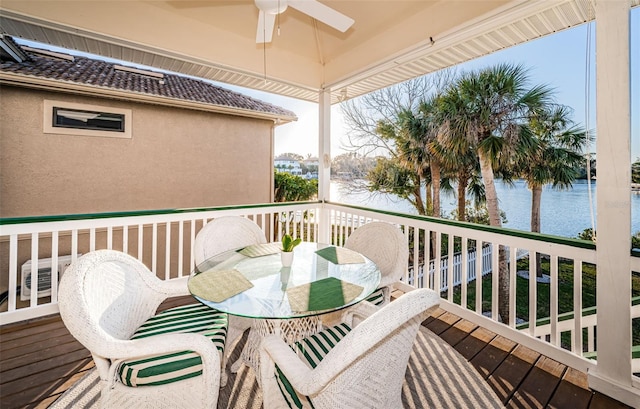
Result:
87,120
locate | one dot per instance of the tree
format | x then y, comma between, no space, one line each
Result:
352,164
292,156
635,171
489,109
292,188
459,161
362,115
424,134
386,123
388,176
410,158
555,156
590,235
477,214
590,158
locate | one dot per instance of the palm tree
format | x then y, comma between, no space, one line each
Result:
489,108
407,170
556,156
426,132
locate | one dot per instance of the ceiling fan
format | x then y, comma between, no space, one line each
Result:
269,9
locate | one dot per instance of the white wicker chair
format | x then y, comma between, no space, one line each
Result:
220,235
104,298
361,368
385,245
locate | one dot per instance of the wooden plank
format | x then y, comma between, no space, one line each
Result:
434,315
48,349
600,401
54,375
509,374
28,330
176,302
36,387
442,323
45,403
32,322
37,367
459,331
492,355
474,343
21,352
538,386
572,392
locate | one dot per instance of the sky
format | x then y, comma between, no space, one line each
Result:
557,60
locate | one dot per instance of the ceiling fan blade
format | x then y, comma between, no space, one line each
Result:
266,23
323,13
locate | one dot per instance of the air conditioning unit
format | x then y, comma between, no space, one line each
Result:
44,276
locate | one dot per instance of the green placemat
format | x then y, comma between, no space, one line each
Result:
340,255
217,286
257,250
323,294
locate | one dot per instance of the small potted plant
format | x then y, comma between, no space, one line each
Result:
288,243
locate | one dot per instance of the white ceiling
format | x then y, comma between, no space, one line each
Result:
215,39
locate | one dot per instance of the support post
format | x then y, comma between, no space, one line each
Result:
613,151
324,165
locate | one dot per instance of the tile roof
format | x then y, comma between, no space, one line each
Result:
98,73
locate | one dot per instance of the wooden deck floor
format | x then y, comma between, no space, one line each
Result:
39,360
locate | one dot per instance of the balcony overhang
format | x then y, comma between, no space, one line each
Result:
389,43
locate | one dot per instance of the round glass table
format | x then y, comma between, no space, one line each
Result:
252,282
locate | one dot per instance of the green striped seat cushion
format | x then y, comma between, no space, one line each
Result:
167,368
377,297
311,350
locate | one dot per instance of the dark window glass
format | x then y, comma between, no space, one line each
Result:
79,119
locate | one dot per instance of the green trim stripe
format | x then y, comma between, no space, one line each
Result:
94,216
547,238
377,297
185,325
173,367
290,395
160,370
313,348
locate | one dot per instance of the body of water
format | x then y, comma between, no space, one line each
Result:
563,212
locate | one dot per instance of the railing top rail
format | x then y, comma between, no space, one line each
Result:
109,215
547,238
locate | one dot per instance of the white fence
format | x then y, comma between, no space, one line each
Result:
419,281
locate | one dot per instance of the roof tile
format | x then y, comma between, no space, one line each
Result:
87,71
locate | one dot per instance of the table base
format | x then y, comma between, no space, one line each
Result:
290,330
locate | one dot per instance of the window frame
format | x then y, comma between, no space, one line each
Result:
51,106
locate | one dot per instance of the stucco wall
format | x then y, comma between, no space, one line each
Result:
176,158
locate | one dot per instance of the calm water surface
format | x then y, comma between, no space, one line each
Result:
563,213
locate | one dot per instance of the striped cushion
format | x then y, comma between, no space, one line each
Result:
377,297
312,350
167,368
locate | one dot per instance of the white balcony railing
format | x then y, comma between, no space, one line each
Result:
163,241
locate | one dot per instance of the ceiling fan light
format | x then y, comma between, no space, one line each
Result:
272,6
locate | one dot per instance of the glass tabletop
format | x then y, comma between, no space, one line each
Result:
312,279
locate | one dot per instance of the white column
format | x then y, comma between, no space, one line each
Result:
613,138
324,158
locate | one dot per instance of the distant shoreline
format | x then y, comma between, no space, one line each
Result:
564,213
